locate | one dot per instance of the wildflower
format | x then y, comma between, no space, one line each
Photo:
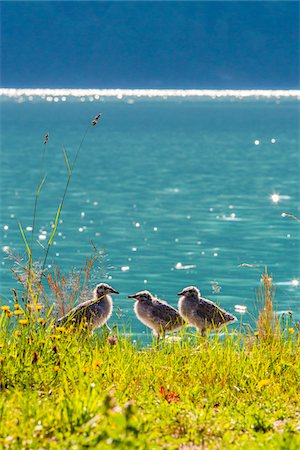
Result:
263,383
17,306
256,333
169,396
17,333
23,321
5,308
86,370
96,363
95,120
55,336
46,138
61,329
1,359
112,340
56,368
40,320
39,307
1,345
291,330
18,312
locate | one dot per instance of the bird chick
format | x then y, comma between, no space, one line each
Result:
156,314
200,312
93,313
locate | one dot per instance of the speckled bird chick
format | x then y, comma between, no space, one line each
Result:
95,312
200,312
156,314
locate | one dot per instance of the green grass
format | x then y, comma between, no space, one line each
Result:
62,389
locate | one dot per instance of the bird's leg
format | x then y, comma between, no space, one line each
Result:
202,334
105,331
157,339
163,335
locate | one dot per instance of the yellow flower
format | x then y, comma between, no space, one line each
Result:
40,320
55,336
39,307
23,321
1,359
17,306
256,333
291,330
18,312
263,383
96,363
56,368
17,333
5,308
86,370
1,345
61,329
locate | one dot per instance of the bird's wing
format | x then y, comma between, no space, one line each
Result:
211,312
165,313
77,313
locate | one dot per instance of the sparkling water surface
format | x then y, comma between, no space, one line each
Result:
178,192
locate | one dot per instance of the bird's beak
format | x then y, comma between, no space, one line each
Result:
113,291
180,293
131,296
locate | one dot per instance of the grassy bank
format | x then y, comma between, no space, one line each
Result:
62,389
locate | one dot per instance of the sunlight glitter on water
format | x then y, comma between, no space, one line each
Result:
294,282
56,95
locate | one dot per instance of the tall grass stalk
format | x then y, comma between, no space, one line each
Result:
29,248
268,325
70,169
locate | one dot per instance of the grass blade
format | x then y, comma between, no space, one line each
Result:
55,224
41,185
28,250
67,162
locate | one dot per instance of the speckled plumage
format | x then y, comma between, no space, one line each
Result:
156,314
95,312
201,312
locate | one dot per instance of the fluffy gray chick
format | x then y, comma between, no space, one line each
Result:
156,314
95,312
200,312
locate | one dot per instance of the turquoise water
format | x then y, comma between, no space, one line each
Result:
176,191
